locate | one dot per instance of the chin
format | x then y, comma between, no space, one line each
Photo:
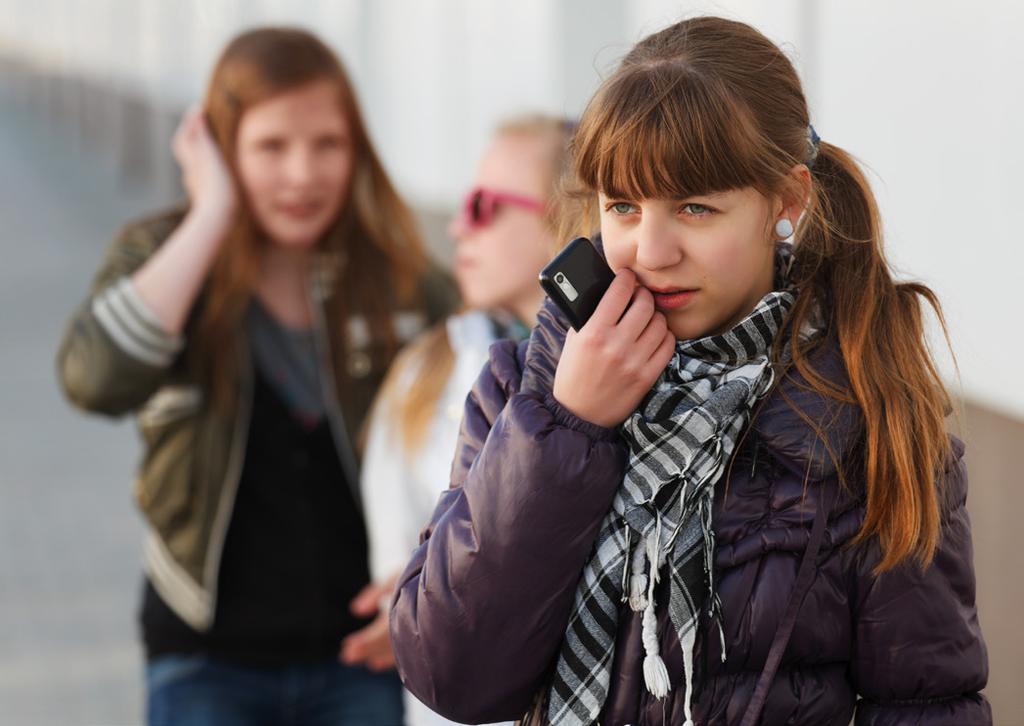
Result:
474,299
291,237
295,243
482,297
688,329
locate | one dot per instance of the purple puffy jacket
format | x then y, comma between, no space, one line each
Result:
481,610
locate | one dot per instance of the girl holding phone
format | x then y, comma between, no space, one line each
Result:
249,333
730,497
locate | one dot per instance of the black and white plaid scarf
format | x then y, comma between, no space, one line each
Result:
680,441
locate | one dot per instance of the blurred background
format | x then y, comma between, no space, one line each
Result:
927,94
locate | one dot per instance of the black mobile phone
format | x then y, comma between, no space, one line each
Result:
576,280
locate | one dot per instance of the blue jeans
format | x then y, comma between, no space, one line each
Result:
196,690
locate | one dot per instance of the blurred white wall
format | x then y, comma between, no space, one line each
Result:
930,97
926,94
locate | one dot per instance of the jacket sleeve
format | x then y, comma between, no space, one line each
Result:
482,608
115,352
919,656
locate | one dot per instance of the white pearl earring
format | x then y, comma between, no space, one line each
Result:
784,228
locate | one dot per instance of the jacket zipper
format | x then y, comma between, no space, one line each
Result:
226,504
334,416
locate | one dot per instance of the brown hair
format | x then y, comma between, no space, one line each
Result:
710,105
432,354
374,230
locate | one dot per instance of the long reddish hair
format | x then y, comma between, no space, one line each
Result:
373,233
709,105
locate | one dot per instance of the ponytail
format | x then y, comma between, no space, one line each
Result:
842,272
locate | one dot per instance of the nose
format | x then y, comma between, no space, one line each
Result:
300,165
458,226
658,245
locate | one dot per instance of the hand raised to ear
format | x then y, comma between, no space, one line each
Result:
205,174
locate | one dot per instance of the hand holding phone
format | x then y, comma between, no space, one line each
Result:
611,361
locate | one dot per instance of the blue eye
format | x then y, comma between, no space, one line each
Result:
621,207
697,210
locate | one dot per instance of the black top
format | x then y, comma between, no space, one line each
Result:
295,553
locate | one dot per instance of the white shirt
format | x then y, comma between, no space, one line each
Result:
401,490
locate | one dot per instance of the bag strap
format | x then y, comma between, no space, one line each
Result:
804,577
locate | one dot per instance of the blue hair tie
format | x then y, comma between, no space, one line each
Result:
812,144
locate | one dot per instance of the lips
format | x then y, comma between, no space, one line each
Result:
301,210
672,298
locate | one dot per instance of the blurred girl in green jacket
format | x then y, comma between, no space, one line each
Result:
249,334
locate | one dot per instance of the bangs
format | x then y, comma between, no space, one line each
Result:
663,132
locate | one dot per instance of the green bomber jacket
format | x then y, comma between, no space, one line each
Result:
115,358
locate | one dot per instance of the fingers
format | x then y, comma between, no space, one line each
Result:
639,314
615,299
661,356
356,647
381,662
372,643
187,131
653,335
653,350
367,602
193,120
192,137
203,132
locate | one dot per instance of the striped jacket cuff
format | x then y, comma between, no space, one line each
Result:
133,326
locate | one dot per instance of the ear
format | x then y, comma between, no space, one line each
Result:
793,202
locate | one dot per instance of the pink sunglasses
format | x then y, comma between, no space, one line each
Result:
481,204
